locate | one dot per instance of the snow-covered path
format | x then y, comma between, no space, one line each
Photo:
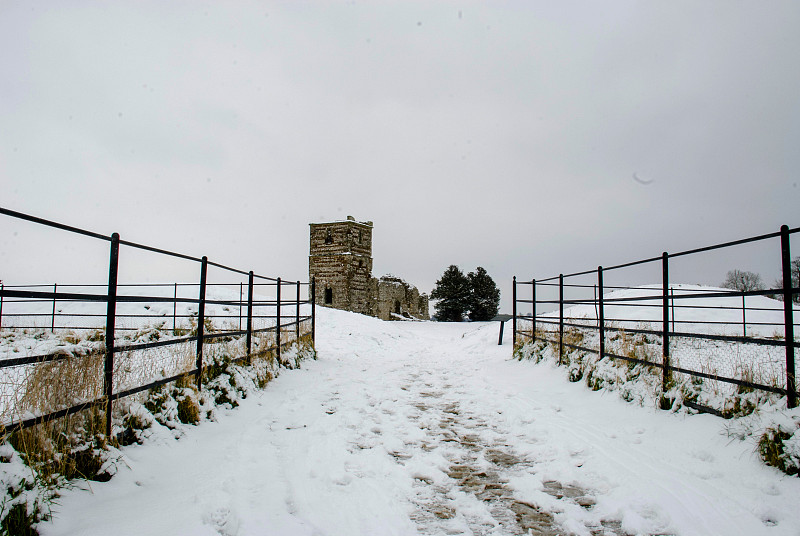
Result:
424,428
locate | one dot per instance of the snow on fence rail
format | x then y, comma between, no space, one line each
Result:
743,339
134,337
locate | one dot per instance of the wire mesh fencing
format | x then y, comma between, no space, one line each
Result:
732,340
65,348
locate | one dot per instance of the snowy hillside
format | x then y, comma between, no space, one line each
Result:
427,428
75,316
721,315
132,315
641,308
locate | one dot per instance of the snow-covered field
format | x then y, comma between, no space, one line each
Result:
426,428
720,315
137,322
715,315
135,315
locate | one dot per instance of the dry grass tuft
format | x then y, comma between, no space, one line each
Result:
65,449
59,384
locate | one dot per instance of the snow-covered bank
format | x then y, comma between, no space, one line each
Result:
425,428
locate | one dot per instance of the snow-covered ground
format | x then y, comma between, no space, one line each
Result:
714,315
720,315
137,322
132,316
425,428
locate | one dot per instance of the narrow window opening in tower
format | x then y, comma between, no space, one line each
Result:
397,306
329,237
328,296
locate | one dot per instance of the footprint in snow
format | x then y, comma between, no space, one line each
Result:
223,520
703,455
342,480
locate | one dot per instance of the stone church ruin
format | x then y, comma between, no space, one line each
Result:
340,260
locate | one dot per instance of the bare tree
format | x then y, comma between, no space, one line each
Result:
743,281
795,271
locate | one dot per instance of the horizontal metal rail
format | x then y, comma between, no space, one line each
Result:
65,354
669,300
42,221
724,379
681,334
10,427
110,297
671,255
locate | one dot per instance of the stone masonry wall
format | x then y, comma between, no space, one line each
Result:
340,259
393,297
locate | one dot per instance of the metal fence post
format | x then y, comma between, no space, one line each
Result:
560,317
111,319
201,318
53,316
278,322
500,338
249,337
533,310
313,310
744,318
174,308
665,376
788,318
514,314
601,320
672,306
297,316
1,305
241,298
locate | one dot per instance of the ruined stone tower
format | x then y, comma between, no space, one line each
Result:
340,258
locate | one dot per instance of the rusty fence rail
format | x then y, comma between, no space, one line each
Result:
674,318
285,315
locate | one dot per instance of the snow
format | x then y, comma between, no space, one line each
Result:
132,316
137,322
721,315
430,428
714,315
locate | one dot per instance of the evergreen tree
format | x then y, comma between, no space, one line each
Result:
484,296
453,293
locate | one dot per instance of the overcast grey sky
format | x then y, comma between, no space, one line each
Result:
502,134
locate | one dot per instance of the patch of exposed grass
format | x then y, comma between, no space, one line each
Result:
773,450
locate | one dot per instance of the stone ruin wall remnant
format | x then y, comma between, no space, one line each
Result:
340,260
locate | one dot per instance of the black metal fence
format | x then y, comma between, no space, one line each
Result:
739,338
266,307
